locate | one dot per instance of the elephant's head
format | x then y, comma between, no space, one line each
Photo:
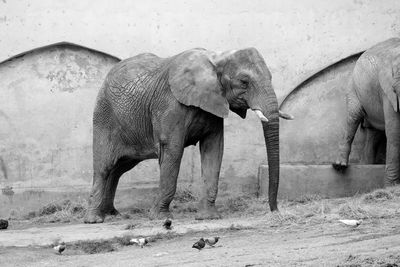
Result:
235,80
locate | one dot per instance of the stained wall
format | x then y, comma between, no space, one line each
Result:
47,96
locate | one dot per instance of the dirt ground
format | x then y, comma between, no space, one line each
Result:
374,243
306,233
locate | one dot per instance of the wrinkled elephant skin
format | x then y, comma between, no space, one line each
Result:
151,107
373,98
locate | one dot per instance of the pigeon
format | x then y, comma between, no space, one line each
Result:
140,241
167,224
212,241
3,224
353,223
199,244
60,248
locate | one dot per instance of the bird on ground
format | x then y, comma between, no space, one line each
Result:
167,224
353,223
140,241
211,241
199,244
60,247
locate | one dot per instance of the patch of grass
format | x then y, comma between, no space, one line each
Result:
123,240
137,210
163,236
313,209
378,195
384,261
60,211
50,208
93,247
238,227
184,207
307,198
30,215
282,218
353,209
130,226
184,195
184,201
113,244
395,190
237,204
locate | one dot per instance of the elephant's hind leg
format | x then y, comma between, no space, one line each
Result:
104,187
392,129
355,115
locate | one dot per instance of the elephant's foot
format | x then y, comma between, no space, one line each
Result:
94,216
340,164
391,182
112,211
157,214
209,213
98,216
342,160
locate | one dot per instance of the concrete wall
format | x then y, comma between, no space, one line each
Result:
47,98
319,105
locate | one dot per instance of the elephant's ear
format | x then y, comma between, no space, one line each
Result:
194,82
389,79
396,78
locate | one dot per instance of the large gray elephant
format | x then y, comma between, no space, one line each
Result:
373,93
151,107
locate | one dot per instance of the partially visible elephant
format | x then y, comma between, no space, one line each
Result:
374,145
150,107
372,95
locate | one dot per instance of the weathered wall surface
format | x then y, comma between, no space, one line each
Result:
319,106
295,37
47,99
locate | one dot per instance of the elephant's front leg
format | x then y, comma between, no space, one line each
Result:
372,141
211,150
170,155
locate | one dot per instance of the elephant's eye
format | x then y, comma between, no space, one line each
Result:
244,83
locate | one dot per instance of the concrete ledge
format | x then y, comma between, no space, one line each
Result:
323,180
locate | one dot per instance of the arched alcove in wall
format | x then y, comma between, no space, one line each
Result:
47,98
319,107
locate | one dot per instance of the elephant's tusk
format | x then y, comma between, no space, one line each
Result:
285,116
260,115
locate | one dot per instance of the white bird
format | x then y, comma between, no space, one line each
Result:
353,223
140,241
60,248
211,241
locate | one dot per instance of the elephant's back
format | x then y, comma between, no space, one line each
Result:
372,60
385,49
133,67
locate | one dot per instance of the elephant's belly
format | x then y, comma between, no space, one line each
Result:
371,102
374,115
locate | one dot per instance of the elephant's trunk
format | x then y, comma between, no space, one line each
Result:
268,113
271,135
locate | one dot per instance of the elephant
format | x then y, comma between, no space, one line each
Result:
372,97
374,145
152,108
